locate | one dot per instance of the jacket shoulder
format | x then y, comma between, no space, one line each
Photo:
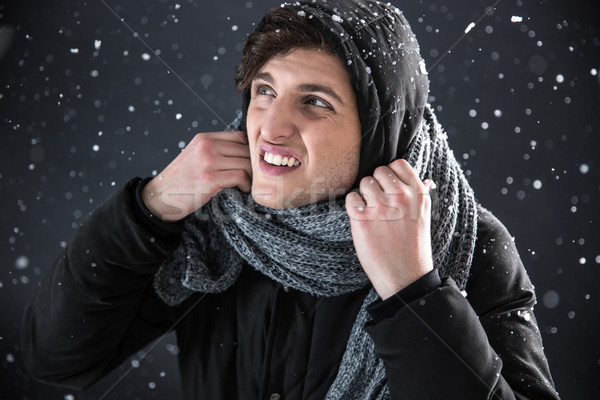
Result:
498,277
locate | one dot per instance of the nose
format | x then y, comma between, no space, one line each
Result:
278,124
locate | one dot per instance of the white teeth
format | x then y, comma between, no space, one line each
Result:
276,159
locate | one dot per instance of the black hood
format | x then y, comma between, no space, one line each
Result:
388,75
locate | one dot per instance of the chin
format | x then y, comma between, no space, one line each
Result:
279,196
272,198
267,197
267,201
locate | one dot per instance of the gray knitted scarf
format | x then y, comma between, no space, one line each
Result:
310,249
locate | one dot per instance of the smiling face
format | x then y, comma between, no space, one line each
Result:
303,130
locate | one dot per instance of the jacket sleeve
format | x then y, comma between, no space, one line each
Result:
483,346
95,306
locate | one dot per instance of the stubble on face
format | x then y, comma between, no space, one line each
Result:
329,185
292,111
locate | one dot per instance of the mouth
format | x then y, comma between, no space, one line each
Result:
276,161
279,160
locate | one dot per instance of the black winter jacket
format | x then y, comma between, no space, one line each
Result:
96,306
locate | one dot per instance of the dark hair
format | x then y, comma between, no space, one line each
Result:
281,30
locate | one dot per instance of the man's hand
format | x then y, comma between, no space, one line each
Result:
208,164
390,221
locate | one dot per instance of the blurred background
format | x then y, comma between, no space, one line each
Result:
93,93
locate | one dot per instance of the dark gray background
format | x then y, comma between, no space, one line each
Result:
520,101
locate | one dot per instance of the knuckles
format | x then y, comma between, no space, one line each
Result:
380,171
204,146
400,163
365,181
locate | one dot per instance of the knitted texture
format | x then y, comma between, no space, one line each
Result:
310,248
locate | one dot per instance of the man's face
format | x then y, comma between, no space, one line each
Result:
303,130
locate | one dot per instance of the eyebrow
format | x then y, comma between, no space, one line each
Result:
304,87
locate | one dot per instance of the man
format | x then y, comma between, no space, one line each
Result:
315,290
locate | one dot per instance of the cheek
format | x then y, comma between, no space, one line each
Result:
348,144
339,161
349,156
352,161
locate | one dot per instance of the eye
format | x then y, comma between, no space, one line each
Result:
264,90
315,101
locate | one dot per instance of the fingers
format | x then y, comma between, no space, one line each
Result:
233,178
217,144
390,182
405,172
399,176
429,185
393,192
232,163
355,202
225,136
235,136
370,190
219,151
220,143
229,149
